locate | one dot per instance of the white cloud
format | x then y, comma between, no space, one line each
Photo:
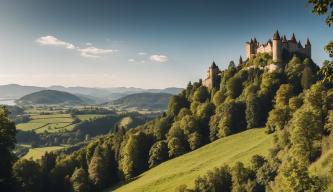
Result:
53,41
94,52
142,53
89,51
159,58
131,60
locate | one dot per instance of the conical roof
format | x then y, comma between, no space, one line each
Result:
276,36
214,65
308,42
293,39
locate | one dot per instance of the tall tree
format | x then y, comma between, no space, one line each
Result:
307,78
28,175
7,144
80,181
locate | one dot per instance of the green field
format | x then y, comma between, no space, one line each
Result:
49,123
87,117
37,153
186,168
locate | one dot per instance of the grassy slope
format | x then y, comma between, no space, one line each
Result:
184,169
37,153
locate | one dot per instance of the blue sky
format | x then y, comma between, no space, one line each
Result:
140,43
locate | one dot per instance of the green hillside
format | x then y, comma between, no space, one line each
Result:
144,100
50,97
184,169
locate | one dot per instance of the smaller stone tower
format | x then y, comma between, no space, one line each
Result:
212,76
277,48
308,48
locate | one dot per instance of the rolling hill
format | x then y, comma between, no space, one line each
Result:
14,91
144,100
50,97
186,168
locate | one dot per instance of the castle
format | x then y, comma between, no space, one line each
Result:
281,50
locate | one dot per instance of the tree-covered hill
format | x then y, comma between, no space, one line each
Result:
144,100
294,102
50,97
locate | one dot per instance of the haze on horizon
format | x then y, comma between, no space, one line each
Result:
146,44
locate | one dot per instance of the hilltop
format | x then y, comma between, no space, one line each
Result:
144,100
50,97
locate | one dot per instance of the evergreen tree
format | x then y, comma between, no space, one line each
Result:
135,155
253,113
80,181
7,144
307,78
158,153
98,172
28,176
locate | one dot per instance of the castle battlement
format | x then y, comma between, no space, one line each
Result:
278,47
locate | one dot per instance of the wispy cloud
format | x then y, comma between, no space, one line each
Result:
89,51
94,52
53,41
142,53
131,60
159,58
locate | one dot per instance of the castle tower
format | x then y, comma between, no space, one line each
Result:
308,48
277,48
250,48
293,47
212,76
284,42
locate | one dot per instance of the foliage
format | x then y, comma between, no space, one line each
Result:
7,144
158,153
79,181
25,180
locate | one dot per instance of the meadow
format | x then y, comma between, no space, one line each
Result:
37,153
186,168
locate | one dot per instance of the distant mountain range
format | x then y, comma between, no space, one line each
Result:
98,95
50,97
146,100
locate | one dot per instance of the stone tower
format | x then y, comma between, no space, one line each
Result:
277,48
212,76
308,48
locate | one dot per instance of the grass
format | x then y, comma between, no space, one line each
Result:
87,117
186,168
29,126
37,153
50,123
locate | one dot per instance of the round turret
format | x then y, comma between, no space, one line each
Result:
277,48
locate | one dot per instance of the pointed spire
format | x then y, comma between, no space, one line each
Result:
251,40
284,39
276,35
293,38
308,42
300,44
213,65
255,40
